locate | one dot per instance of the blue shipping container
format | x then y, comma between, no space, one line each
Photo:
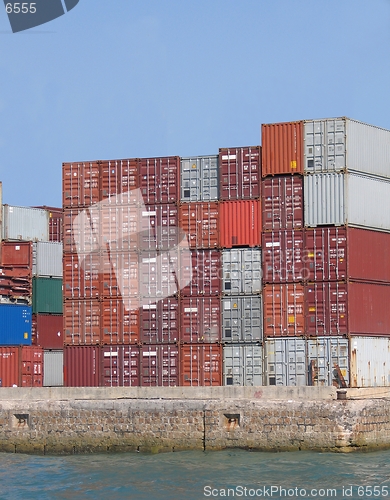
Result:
15,324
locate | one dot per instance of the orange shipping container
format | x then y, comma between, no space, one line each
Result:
240,223
284,310
200,365
201,223
119,326
118,176
82,322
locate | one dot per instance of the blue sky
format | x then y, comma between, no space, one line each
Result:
125,78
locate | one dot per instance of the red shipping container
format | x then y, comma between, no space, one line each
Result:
80,184
159,365
9,366
48,330
282,202
16,254
120,277
160,179
283,256
340,253
201,365
282,148
200,319
82,322
119,226
55,222
129,179
159,227
82,276
16,283
82,232
240,223
160,321
205,273
200,221
81,366
119,326
120,366
284,313
31,366
240,173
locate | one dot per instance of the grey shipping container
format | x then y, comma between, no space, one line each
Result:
242,319
47,259
370,361
241,271
328,361
53,368
199,178
341,199
285,361
342,144
243,364
24,223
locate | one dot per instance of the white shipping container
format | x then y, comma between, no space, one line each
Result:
242,319
53,368
285,361
241,270
199,178
342,144
341,199
25,223
243,365
47,259
328,361
370,361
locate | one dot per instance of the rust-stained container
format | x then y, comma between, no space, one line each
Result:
205,271
16,285
340,253
160,321
240,173
370,361
118,176
9,366
120,366
48,330
160,179
160,365
201,223
240,223
119,325
201,365
80,236
157,273
16,254
283,256
200,319
328,361
282,202
82,366
282,148
81,276
120,275
31,366
158,227
82,322
80,184
284,313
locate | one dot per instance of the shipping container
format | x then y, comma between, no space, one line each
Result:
53,362
201,365
282,202
285,362
200,221
200,319
328,361
160,179
47,259
16,254
242,319
240,223
9,366
118,176
81,366
201,271
47,295
340,199
82,275
340,144
82,322
160,365
158,274
199,178
243,365
81,232
120,276
48,330
118,227
282,148
160,321
119,326
283,256
240,173
80,184
15,324
31,366
370,361
241,271
158,227
284,313
24,223
55,222
120,366
15,285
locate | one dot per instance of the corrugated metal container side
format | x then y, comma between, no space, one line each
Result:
370,361
118,176
15,285
199,178
81,281
120,366
160,321
284,313
55,222
16,254
15,324
31,366
240,173
49,330
119,226
243,365
282,202
119,325
328,361
47,259
203,275
53,374
158,274
81,366
82,322
241,270
80,184
200,319
285,362
282,148
24,223
339,199
240,223
9,366
160,365
201,365
160,179
47,295
77,229
335,144
120,275
90,184
242,319
201,223
158,227
283,256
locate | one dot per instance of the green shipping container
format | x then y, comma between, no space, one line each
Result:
47,295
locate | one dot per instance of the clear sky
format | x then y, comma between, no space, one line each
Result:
137,78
